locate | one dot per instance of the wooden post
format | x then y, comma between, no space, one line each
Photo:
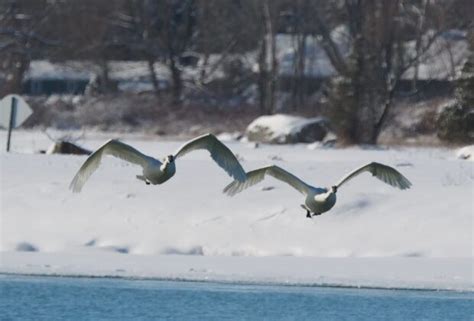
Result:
12,121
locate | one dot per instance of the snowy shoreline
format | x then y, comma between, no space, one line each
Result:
453,274
375,236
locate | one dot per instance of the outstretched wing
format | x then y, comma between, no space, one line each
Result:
111,147
220,153
256,176
383,172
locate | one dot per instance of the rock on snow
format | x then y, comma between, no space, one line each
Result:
286,129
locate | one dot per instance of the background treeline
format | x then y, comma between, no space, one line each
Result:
383,39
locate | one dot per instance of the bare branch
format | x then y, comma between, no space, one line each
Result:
330,46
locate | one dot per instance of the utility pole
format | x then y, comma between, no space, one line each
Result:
12,121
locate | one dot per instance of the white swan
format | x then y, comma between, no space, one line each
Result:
154,171
318,200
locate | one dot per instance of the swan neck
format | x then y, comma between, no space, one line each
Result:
166,166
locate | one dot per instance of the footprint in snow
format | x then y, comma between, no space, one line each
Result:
413,254
276,158
212,219
268,217
120,249
92,242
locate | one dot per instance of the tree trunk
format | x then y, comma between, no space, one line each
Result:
268,64
105,83
154,78
177,85
14,83
298,88
370,69
262,78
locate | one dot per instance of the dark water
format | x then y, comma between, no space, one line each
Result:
56,298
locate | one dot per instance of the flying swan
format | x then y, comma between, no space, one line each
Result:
154,171
318,200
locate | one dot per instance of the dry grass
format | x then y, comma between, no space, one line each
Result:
410,122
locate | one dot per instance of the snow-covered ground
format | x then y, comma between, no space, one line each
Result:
374,236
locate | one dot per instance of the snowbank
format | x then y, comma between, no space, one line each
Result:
391,273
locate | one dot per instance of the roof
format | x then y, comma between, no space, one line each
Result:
441,61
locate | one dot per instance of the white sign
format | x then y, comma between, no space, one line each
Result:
21,112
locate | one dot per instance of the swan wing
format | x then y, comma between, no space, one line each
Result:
112,147
383,172
220,153
256,176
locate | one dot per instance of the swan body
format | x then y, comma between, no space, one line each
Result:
155,171
318,200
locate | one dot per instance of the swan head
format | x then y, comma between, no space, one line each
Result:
333,189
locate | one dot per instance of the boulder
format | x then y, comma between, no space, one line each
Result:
466,153
65,147
286,129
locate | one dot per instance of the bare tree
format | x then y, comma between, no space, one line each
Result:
88,31
213,16
177,29
302,28
267,60
141,21
23,35
256,29
363,96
